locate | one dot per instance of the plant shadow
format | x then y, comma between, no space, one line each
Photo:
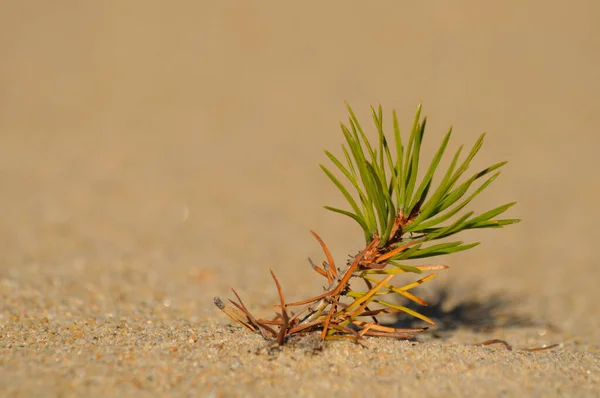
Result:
450,312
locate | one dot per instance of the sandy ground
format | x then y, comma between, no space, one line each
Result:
152,156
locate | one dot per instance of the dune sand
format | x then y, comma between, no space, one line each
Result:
154,155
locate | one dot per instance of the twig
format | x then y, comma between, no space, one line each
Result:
509,347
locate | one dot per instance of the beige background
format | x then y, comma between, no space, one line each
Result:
154,154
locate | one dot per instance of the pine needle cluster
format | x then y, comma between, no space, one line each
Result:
402,218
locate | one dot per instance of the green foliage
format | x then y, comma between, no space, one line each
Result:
401,216
389,202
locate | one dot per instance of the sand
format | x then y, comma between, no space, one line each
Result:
153,156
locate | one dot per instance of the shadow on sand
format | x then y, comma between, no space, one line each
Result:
477,314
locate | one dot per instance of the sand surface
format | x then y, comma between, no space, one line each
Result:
154,155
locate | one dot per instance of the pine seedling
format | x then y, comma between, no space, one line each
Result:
401,217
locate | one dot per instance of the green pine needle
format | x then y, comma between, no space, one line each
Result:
384,193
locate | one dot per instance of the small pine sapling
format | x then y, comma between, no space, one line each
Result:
401,219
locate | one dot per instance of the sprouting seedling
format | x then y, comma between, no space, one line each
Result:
400,218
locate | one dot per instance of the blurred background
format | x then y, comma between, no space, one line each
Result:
154,154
